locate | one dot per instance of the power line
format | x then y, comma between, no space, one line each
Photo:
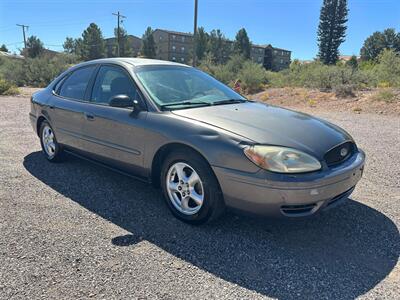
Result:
118,15
62,22
15,43
23,32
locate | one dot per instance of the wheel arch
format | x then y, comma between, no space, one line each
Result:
163,152
39,122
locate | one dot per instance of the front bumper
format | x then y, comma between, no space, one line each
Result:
290,195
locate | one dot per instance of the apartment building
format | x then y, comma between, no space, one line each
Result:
173,45
177,46
277,58
257,54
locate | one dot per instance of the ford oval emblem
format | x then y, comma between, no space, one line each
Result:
343,152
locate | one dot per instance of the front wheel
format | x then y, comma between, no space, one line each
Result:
50,147
190,188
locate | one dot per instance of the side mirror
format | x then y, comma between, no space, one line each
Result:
121,101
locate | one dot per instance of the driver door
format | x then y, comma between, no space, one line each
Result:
115,135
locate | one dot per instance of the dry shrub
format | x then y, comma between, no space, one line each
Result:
345,91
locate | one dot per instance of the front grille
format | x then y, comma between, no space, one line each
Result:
335,155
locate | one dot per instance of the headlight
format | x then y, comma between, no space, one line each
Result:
281,159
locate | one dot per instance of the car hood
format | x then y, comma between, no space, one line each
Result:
271,125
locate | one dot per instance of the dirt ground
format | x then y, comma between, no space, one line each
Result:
313,100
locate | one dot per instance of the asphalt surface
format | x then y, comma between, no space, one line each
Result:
77,230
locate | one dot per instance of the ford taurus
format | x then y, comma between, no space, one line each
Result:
205,145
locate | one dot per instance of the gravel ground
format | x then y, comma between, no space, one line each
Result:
77,230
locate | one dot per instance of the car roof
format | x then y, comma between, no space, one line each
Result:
134,61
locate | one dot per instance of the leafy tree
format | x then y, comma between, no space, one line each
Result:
148,46
3,48
92,45
388,68
332,30
69,45
378,41
34,47
242,43
201,43
352,62
218,46
125,47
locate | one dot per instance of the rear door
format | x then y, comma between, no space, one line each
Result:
115,135
68,104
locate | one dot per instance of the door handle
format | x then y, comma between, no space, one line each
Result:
88,117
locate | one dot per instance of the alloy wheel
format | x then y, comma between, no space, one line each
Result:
49,144
185,188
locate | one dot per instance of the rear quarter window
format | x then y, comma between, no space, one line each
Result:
74,86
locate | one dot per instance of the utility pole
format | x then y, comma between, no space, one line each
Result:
194,34
23,32
119,16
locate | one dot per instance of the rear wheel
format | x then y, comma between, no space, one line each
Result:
190,188
50,147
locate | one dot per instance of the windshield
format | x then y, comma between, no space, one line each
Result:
175,87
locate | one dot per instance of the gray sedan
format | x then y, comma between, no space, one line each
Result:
205,145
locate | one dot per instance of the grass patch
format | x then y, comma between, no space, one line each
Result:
264,97
386,95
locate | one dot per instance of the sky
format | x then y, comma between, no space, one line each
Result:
288,24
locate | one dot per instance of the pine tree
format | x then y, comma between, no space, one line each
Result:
3,48
242,43
69,45
34,47
352,62
93,45
201,43
218,46
148,45
125,47
332,29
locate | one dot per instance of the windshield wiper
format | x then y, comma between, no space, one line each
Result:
202,103
229,101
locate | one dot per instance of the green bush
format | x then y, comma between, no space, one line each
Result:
222,73
36,72
252,76
7,88
41,71
387,95
345,91
383,73
388,68
13,70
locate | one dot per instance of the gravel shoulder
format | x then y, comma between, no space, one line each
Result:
77,230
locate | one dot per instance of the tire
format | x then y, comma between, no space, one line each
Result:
205,188
54,152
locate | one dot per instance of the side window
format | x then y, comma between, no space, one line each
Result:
75,85
56,88
112,81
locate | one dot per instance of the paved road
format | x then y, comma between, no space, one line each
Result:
76,230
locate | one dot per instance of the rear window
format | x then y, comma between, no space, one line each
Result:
74,86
